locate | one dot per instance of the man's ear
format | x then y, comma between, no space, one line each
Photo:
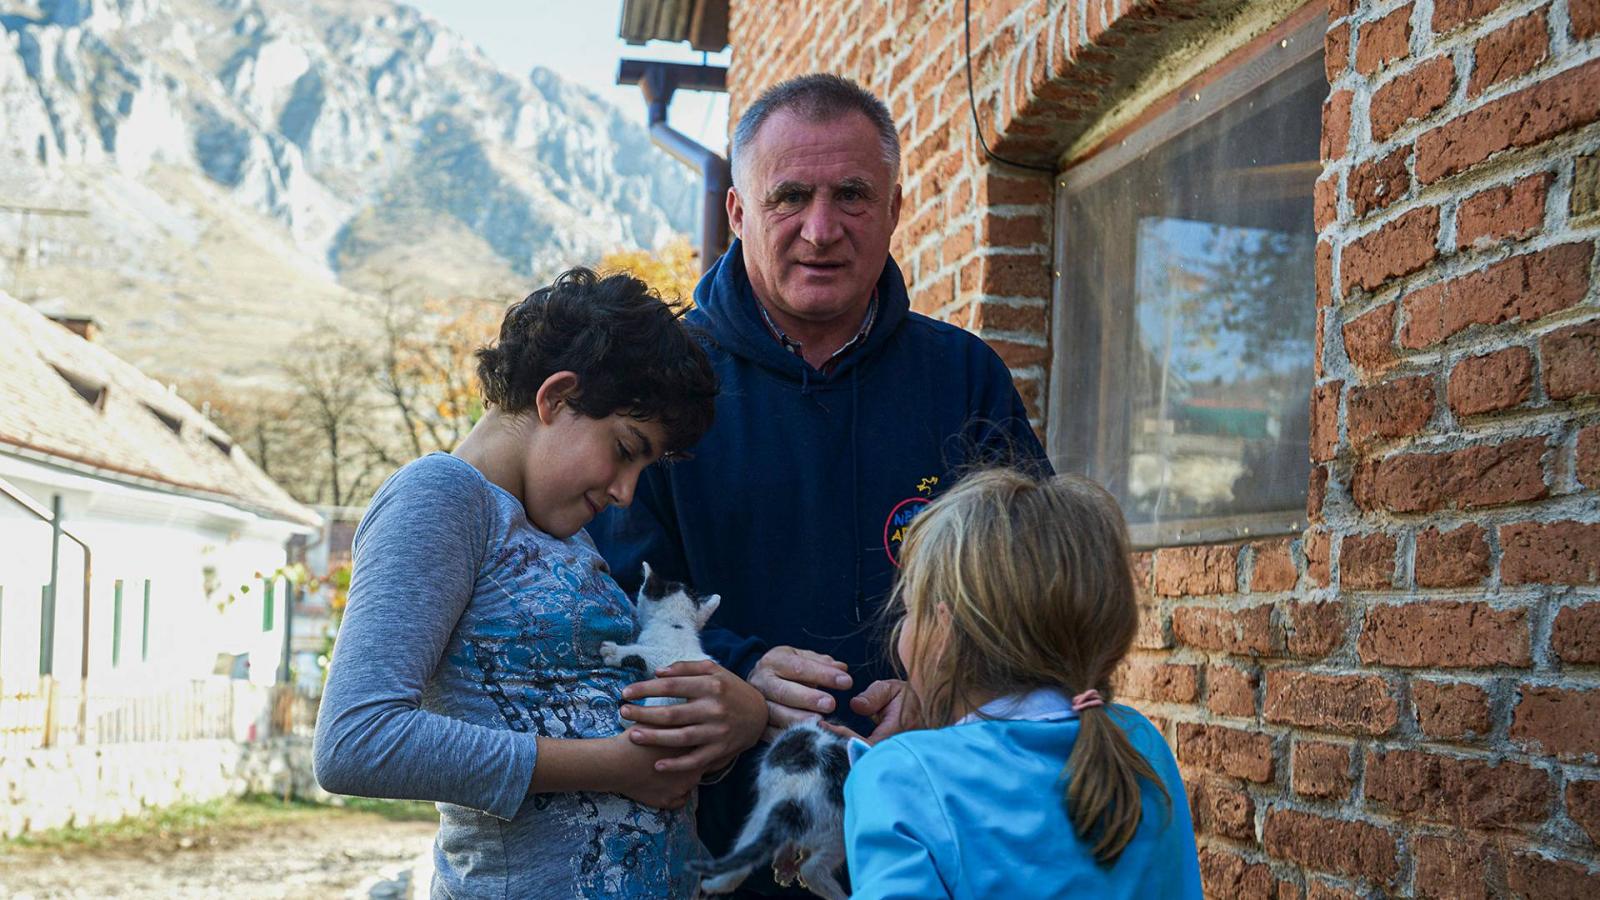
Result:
555,393
894,209
702,613
735,213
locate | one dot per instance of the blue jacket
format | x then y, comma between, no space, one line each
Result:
793,504
975,810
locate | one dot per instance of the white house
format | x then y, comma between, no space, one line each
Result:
186,535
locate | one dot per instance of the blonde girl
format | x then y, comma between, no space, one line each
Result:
1017,777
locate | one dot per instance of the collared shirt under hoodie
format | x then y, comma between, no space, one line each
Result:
794,504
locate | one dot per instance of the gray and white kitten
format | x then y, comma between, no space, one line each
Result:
670,619
798,819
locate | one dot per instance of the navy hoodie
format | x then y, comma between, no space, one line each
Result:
793,505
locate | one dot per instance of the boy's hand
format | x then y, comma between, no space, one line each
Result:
723,716
639,776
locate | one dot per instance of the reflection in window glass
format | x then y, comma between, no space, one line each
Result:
1190,317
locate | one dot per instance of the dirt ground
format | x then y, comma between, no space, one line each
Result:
328,853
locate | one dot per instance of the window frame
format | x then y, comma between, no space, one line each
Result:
1250,68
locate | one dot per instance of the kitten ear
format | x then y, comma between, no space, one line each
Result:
708,605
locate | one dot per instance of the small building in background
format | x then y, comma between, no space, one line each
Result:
187,538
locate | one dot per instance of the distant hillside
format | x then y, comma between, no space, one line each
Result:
241,170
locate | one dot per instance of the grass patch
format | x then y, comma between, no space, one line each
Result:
190,824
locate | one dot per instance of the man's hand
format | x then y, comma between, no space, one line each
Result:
881,702
789,679
723,716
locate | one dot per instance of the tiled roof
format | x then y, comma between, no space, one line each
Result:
74,404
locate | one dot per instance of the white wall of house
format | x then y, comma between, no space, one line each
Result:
194,552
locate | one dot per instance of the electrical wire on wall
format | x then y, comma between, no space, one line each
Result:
972,101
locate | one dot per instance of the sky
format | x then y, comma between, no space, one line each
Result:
579,41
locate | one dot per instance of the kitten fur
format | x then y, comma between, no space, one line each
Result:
798,819
670,619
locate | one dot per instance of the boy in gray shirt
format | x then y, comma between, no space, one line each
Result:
467,669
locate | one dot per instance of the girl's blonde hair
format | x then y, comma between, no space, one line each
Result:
1028,583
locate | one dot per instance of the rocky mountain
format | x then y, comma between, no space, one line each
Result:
211,177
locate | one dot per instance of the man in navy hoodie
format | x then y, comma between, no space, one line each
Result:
841,414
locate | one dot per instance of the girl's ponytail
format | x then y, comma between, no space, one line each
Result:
1103,796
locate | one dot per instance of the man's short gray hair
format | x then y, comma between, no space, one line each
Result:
817,97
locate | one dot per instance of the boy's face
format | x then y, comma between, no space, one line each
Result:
576,466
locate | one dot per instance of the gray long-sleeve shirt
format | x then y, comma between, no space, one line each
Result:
468,634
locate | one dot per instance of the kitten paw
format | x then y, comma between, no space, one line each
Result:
611,653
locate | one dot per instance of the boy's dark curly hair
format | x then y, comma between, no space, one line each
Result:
629,349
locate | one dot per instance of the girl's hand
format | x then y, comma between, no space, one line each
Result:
640,777
723,717
881,702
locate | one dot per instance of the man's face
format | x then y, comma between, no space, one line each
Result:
821,205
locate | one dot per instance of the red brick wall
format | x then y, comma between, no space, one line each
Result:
1405,699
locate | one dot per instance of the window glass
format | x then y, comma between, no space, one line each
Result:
1188,316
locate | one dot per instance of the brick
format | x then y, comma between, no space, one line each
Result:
1530,874
1005,317
1509,52
1314,629
1369,339
957,245
1456,791
1391,251
1571,358
1485,475
1564,552
1316,492
1231,691
1383,41
1521,289
1324,274
1442,633
1451,710
1491,382
1449,14
1348,704
1341,847
1196,571
1002,189
1336,52
1226,751
1366,561
1220,808
1321,769
1376,184
1014,231
1272,566
1575,635
1450,868
1243,631
1455,558
1508,212
1336,125
1585,198
1530,116
1325,201
1017,355
1145,677
1583,807
1588,457
1325,420
1016,276
1318,890
1585,17
1398,408
1557,720
1316,547
1225,874
1412,95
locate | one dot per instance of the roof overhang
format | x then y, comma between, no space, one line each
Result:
703,23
